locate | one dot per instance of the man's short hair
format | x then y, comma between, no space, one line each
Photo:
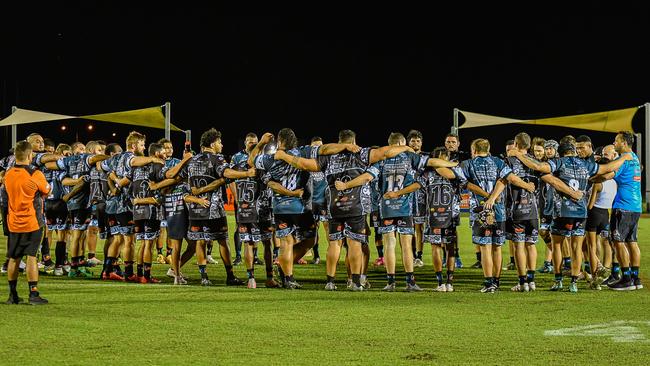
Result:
91,146
316,138
112,148
583,138
414,134
101,142
439,151
154,148
566,148
22,150
288,138
538,141
568,139
75,144
395,138
628,137
451,134
49,142
60,148
510,142
134,137
522,140
347,136
481,146
209,137
163,141
31,136
251,135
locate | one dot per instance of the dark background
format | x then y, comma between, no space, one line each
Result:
323,70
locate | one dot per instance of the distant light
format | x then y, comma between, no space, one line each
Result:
90,127
114,134
63,128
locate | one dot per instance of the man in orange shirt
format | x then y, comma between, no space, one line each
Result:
26,187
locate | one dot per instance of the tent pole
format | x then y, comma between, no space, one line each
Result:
14,129
168,118
646,143
455,128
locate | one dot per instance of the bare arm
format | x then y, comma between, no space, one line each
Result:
48,158
72,181
498,188
358,181
279,189
406,190
236,174
561,187
331,149
154,186
440,163
198,200
446,173
173,171
516,181
613,166
602,178
594,193
52,165
266,138
209,188
386,152
146,201
530,162
477,190
77,188
97,158
144,160
310,165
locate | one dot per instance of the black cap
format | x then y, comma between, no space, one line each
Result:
564,147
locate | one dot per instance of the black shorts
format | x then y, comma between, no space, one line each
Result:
302,226
101,218
120,224
624,225
255,232
349,227
56,215
546,222
598,221
568,226
495,234
177,225
80,219
375,219
146,229
440,236
22,244
403,225
215,229
522,231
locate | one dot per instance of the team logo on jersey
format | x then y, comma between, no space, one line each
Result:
519,230
243,229
437,231
282,226
195,229
244,205
568,226
488,232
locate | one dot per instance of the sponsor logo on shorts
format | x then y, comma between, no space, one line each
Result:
519,230
388,222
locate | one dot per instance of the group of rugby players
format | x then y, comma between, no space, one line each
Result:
560,191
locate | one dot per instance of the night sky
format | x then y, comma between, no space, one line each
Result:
325,70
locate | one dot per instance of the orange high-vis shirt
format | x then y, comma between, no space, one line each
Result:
25,187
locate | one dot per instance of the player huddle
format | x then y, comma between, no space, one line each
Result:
559,191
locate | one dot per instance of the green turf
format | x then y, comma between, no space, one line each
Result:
90,322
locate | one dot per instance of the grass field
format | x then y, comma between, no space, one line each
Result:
94,322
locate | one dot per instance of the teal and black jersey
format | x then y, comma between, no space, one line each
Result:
75,167
290,178
249,190
521,204
345,167
394,174
628,179
442,197
484,171
575,172
203,169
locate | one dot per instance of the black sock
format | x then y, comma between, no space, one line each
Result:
147,270
391,278
410,278
204,274
419,255
315,250
109,265
530,276
634,272
522,280
330,279
91,255
269,273
33,288
169,251
229,272
356,279
251,272
616,269
255,252
558,276
496,281
12,288
574,279
450,276
478,256
626,273
288,278
512,260
128,269
380,251
209,246
45,251
439,277
140,269
159,250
